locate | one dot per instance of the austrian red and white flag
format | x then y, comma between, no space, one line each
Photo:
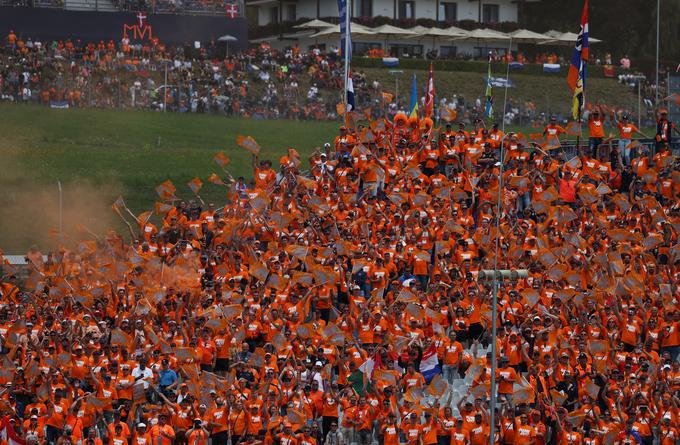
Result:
141,20
231,11
8,433
428,106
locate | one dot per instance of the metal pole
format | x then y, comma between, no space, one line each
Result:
61,210
639,104
658,19
396,90
165,89
494,301
348,9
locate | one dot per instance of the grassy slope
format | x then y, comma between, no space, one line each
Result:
99,154
548,92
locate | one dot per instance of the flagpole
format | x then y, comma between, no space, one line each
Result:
658,14
345,50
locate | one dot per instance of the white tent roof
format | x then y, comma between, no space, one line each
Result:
389,30
335,31
456,31
288,36
526,36
485,34
553,33
313,24
422,31
571,37
419,29
565,38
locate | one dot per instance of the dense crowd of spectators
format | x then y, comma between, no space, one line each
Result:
258,83
335,300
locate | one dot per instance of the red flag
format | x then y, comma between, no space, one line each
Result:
429,96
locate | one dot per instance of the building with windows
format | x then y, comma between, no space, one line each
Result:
444,12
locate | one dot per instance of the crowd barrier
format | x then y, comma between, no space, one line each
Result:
570,150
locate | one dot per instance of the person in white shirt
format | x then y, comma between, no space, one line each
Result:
143,373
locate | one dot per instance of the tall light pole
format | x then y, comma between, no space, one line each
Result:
658,21
496,276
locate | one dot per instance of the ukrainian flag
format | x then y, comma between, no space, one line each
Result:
413,108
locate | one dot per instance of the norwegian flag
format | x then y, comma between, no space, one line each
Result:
429,95
141,19
577,69
231,11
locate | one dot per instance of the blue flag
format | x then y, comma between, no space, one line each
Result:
488,109
413,107
344,32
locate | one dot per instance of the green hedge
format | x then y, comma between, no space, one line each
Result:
473,66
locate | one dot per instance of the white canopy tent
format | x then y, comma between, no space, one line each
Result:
565,38
334,31
526,36
484,34
226,39
436,34
389,31
314,24
454,31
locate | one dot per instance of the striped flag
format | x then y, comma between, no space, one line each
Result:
488,109
577,71
350,93
429,95
345,28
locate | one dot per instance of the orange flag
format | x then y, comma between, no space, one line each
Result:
248,143
162,208
195,185
120,338
221,159
215,179
166,191
144,217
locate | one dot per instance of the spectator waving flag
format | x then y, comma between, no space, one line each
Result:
577,71
488,110
413,107
429,95
345,28
9,434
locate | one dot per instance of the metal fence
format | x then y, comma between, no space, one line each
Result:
570,150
